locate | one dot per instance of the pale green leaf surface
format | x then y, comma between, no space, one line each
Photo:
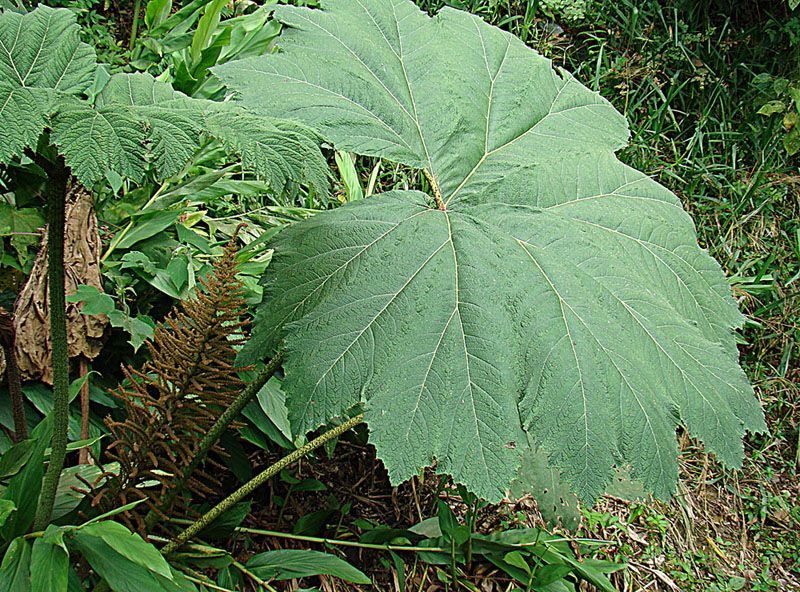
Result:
41,57
6,509
125,560
42,49
560,293
121,574
272,401
276,150
130,545
15,571
21,118
49,561
537,479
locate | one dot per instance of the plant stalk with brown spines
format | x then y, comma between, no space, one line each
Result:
213,435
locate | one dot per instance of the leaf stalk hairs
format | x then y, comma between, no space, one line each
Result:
256,482
58,177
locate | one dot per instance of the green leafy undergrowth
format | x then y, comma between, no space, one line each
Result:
128,132
783,99
542,286
123,559
46,560
180,46
20,226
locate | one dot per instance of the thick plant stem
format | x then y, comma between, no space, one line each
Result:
137,9
215,433
437,192
256,482
8,342
57,190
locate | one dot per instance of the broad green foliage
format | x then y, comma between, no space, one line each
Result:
556,292
123,559
134,110
557,504
286,564
134,123
41,58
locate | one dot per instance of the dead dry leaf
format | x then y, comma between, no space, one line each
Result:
82,266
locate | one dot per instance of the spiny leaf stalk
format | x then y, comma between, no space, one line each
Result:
257,482
56,204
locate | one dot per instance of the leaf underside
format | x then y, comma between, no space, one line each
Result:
560,292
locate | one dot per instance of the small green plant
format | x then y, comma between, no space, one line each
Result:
783,100
170,49
445,544
41,559
570,12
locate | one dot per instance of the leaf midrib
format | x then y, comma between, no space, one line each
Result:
413,118
348,262
9,52
369,324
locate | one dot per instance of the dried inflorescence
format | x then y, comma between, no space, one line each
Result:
175,397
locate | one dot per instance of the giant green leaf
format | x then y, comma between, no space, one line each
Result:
96,141
41,57
544,287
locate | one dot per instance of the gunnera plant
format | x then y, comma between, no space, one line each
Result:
538,287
